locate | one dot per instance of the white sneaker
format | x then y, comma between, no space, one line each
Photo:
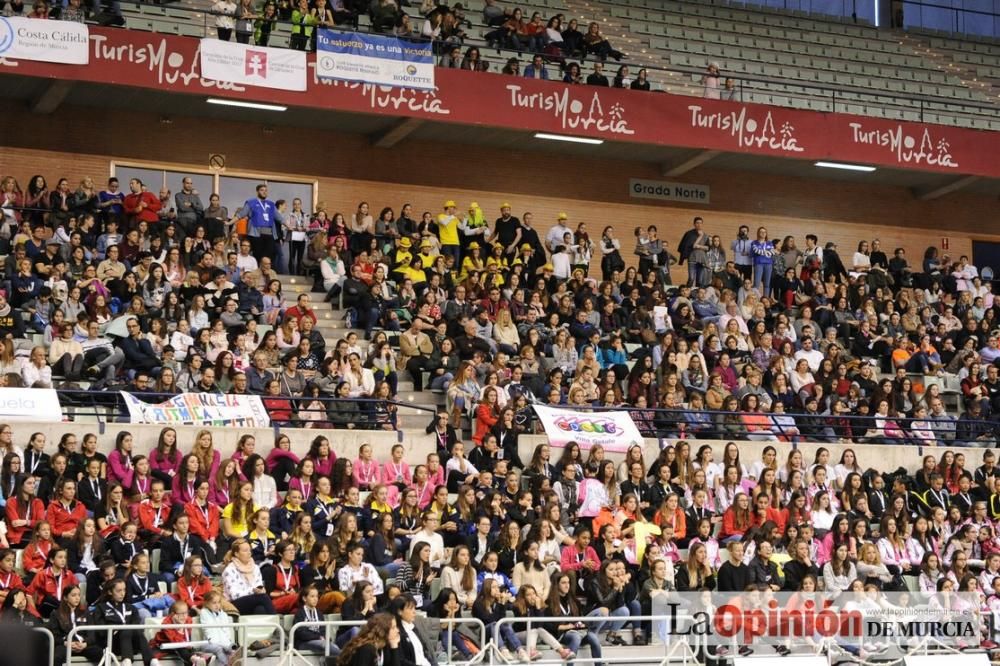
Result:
154,662
126,662
504,652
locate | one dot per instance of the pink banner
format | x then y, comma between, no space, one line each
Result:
170,62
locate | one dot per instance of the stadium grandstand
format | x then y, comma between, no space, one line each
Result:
413,333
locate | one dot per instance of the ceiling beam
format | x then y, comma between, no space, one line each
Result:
390,137
691,163
54,95
937,191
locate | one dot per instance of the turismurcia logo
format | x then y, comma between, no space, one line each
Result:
6,35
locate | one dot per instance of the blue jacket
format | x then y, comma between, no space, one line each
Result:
529,72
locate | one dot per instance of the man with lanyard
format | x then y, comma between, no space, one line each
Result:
263,220
507,231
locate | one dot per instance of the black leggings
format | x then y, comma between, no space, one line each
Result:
254,604
298,250
128,642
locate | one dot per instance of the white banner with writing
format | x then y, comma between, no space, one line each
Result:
201,409
64,42
29,404
262,66
615,431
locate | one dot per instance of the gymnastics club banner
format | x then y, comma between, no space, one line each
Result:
615,431
375,59
200,409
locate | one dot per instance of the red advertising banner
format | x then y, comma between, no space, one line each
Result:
167,62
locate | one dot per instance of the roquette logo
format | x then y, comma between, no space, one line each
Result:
411,70
6,35
595,425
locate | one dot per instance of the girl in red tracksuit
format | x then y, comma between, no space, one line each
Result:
23,512
37,552
51,583
10,581
189,655
193,584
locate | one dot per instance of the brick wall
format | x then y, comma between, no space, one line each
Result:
74,142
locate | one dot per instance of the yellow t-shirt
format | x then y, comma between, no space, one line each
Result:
447,229
239,528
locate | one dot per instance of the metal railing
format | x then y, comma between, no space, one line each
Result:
686,651
111,629
749,88
796,427
110,407
330,625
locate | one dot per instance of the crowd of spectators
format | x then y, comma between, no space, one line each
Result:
196,534
764,339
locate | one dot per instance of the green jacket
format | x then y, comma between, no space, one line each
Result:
302,24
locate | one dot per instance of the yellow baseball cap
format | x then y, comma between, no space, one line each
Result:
473,206
405,242
525,246
473,245
563,216
426,243
548,267
449,204
504,205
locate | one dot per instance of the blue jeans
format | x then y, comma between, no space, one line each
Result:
319,646
762,276
615,625
573,639
508,639
441,382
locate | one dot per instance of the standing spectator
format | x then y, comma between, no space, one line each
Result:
711,81
224,11
263,219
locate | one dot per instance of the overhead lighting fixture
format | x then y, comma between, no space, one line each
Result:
845,167
246,105
571,139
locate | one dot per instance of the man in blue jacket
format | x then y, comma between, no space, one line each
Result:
263,220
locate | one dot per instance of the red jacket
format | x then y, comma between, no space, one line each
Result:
193,595
148,213
770,514
65,520
47,584
729,527
571,559
148,516
173,635
36,554
486,418
34,513
207,530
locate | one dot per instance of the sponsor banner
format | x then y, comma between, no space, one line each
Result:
170,62
802,622
376,59
65,42
30,405
262,66
201,409
664,191
615,431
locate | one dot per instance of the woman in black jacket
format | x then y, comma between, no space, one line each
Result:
70,615
696,574
378,643
113,609
360,606
606,591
